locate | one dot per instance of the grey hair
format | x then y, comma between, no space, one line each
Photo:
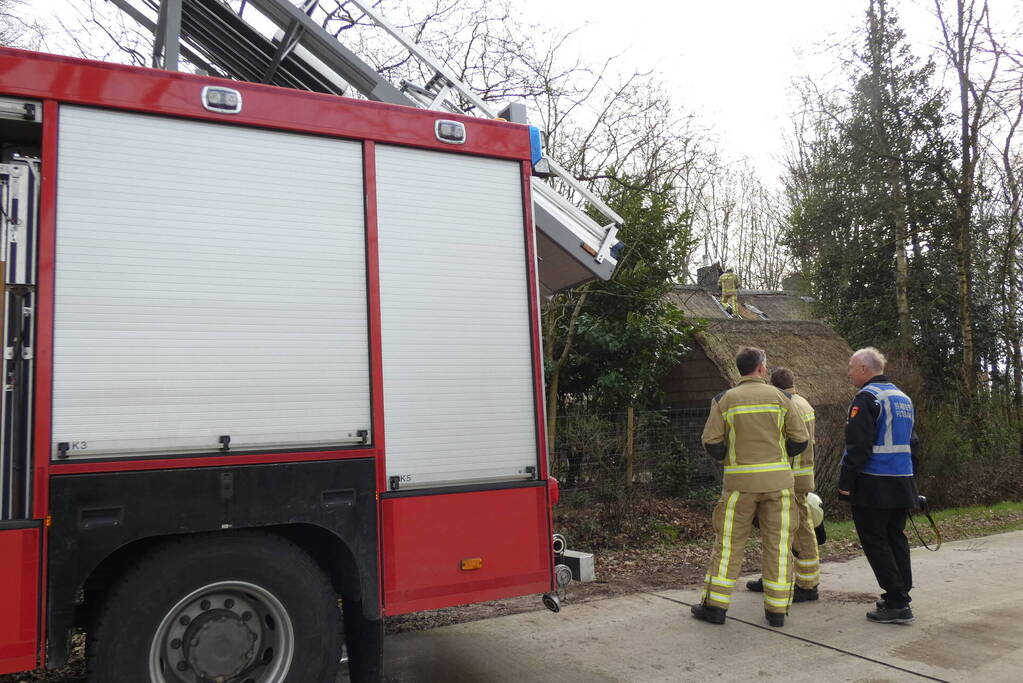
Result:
871,358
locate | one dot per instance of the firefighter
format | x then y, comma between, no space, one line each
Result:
878,468
729,284
804,538
753,428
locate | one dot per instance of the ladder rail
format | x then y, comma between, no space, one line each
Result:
330,51
425,57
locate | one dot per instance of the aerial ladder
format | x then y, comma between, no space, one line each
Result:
280,43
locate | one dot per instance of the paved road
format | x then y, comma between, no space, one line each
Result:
969,627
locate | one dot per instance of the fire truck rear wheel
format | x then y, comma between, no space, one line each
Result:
245,607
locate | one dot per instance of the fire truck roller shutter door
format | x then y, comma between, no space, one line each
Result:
454,301
210,282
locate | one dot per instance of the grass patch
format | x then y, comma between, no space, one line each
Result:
955,524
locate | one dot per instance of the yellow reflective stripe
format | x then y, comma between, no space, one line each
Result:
781,439
755,408
720,597
731,441
726,534
807,563
785,542
803,472
777,585
719,581
764,467
810,416
776,602
807,577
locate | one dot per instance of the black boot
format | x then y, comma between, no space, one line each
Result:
805,594
709,613
775,619
755,585
881,603
891,615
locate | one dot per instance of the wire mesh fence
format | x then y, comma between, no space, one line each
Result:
661,452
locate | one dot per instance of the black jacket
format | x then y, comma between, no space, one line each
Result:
870,490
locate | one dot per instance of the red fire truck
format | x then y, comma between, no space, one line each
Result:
264,349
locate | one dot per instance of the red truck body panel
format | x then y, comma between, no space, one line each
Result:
427,537
19,595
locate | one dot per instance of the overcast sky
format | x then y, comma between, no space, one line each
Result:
733,62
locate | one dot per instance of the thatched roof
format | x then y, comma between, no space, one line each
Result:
698,302
811,349
779,305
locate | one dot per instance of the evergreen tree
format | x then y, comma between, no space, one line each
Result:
871,212
609,344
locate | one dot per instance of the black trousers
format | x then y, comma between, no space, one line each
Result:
882,534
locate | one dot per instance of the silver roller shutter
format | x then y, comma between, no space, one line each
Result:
458,382
210,281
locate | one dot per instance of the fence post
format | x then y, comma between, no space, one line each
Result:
630,452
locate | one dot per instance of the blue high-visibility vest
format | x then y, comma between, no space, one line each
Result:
892,454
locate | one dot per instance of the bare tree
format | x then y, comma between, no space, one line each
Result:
740,223
17,27
965,32
1006,156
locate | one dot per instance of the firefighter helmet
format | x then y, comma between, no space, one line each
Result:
816,508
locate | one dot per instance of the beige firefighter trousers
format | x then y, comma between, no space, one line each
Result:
804,546
733,520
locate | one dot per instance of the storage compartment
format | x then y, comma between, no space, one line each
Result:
210,290
20,140
459,390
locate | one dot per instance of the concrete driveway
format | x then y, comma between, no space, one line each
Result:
969,627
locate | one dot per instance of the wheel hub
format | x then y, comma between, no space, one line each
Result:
228,632
219,645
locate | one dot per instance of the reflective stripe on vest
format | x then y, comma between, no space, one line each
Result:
891,455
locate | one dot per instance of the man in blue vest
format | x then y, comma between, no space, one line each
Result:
878,467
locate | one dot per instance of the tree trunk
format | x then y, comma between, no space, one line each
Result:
552,410
556,367
964,203
899,209
901,260
964,244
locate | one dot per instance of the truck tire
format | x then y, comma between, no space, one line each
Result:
237,607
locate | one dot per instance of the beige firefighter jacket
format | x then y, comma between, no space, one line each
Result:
802,464
749,425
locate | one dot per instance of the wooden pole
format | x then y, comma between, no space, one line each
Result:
630,451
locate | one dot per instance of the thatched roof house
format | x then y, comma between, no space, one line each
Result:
782,327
